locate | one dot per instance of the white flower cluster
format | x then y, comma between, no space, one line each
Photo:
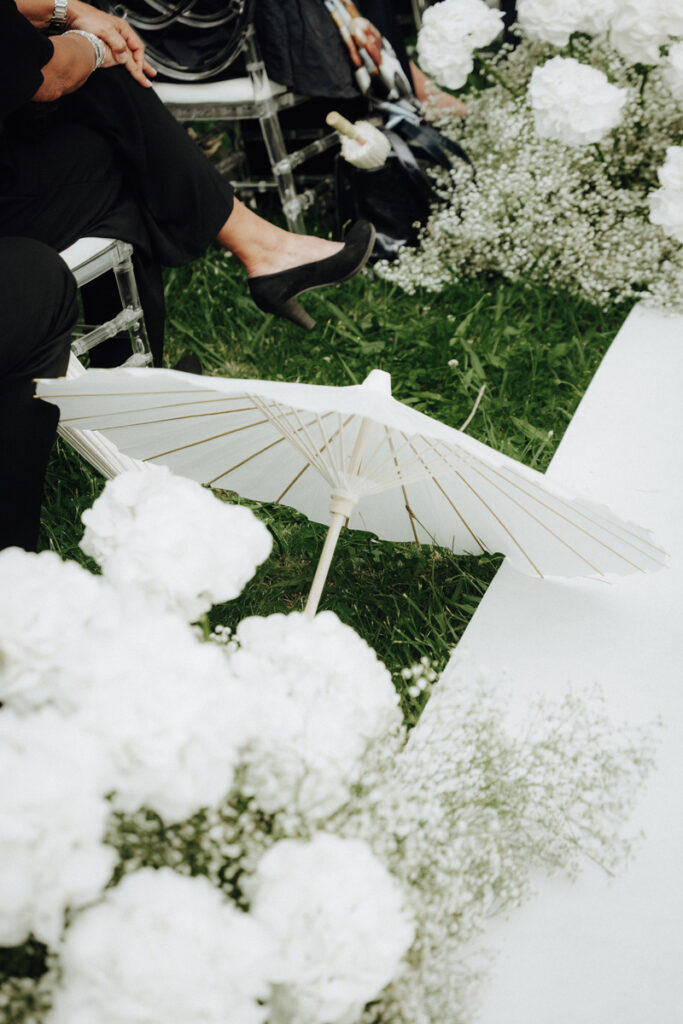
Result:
114,703
554,21
338,921
574,103
174,539
569,217
52,818
666,203
673,71
322,699
451,31
163,949
638,29
160,703
475,807
52,821
236,832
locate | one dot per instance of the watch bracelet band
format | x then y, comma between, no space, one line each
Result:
98,46
59,13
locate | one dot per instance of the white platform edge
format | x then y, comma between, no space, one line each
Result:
598,952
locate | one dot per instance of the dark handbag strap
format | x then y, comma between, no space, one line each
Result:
434,143
405,156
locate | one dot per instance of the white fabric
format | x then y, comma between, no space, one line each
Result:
601,950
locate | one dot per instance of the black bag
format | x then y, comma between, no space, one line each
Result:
396,197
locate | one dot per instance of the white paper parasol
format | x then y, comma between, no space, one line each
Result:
362,144
96,449
359,456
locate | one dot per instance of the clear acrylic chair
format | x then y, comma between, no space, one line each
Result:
89,258
229,101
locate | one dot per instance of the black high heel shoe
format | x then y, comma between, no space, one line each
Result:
277,293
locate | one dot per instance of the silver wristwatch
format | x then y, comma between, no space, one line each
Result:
59,14
98,46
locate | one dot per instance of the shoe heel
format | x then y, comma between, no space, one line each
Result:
294,311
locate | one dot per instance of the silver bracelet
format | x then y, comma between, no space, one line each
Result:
59,13
96,43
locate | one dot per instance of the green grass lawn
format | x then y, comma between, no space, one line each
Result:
535,351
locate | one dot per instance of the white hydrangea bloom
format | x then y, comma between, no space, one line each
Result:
670,174
47,609
673,70
640,28
171,720
594,16
549,21
574,103
321,698
339,923
160,702
175,539
666,203
52,819
163,949
451,31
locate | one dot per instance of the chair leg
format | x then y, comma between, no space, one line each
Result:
282,172
272,136
130,299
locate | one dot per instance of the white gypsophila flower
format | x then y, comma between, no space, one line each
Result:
639,29
570,219
451,31
666,203
673,70
163,949
574,103
321,698
175,539
339,923
52,820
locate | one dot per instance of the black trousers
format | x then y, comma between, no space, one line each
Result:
38,309
109,160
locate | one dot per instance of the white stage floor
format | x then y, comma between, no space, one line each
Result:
604,951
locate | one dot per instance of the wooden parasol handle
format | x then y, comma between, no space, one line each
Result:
344,126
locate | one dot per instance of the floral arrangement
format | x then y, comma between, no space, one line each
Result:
224,828
570,133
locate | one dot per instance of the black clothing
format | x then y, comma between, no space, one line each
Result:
38,309
109,161
23,52
299,42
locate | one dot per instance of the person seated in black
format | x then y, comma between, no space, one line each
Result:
97,153
38,309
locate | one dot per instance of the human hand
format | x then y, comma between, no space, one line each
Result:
124,46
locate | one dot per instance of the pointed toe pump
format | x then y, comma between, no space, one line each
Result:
278,293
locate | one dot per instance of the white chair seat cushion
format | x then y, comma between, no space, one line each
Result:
84,250
231,90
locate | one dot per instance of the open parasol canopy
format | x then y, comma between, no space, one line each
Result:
353,456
